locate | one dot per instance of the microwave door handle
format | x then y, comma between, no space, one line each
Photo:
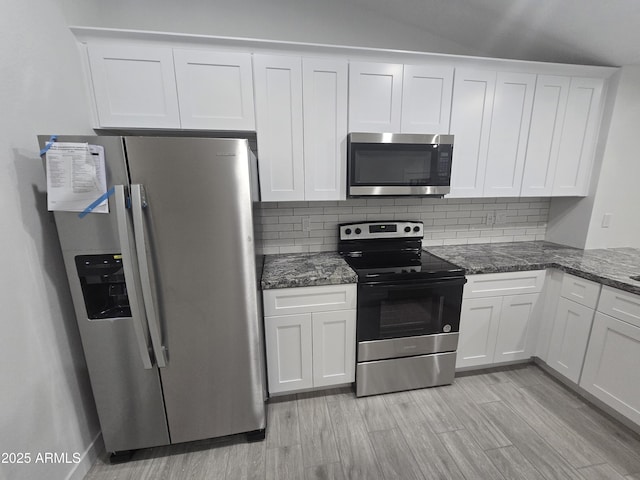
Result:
137,312
138,202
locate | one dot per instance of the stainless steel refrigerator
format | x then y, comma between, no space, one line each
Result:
166,291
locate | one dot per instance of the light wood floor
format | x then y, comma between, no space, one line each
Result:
515,423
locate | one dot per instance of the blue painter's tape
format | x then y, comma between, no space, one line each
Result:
102,198
47,145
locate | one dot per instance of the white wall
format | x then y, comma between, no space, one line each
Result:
618,186
46,403
333,22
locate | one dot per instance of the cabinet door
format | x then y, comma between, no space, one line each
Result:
610,369
334,341
579,137
510,121
569,338
549,106
375,96
215,90
278,95
426,99
479,321
514,340
325,128
289,352
471,109
134,86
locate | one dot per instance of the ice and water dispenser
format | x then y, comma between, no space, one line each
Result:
103,286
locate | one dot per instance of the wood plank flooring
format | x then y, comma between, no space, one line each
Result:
509,423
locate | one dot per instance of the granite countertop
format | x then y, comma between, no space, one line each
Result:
611,266
305,270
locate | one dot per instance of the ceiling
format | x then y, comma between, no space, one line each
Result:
597,32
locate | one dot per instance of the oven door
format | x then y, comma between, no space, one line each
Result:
388,311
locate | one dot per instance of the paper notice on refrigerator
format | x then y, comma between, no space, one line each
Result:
76,177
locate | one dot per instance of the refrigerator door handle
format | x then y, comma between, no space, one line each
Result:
137,313
138,202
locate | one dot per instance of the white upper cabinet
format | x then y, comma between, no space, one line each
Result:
512,106
473,93
426,99
134,86
399,98
325,86
579,137
375,96
549,107
215,90
278,96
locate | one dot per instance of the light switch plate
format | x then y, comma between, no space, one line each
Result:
606,220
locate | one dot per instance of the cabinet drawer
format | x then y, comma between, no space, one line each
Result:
287,301
584,292
621,305
500,284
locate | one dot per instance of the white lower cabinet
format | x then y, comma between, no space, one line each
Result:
569,338
479,321
289,352
610,371
571,325
498,318
313,345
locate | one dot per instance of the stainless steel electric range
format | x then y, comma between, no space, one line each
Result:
408,307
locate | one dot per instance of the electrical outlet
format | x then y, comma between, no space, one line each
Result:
606,220
491,218
501,217
306,224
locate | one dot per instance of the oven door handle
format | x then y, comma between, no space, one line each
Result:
415,286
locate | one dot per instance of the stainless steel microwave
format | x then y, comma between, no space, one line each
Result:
398,164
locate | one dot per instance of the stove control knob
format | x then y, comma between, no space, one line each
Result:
446,328
347,231
407,229
358,231
416,229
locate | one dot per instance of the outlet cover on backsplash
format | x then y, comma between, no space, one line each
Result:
446,221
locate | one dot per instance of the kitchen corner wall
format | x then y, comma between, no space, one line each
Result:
446,221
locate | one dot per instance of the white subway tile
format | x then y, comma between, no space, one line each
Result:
445,221
446,208
294,249
407,201
278,227
338,210
308,211
294,234
432,243
377,202
277,212
455,241
366,210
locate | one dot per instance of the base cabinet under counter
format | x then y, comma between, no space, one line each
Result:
572,325
498,318
610,371
311,343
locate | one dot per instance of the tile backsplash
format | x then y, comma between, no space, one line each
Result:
452,221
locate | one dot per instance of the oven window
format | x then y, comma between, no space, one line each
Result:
394,311
402,317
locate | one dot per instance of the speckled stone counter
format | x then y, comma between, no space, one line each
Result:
305,270
611,266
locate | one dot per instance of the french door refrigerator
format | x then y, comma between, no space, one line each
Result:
166,291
